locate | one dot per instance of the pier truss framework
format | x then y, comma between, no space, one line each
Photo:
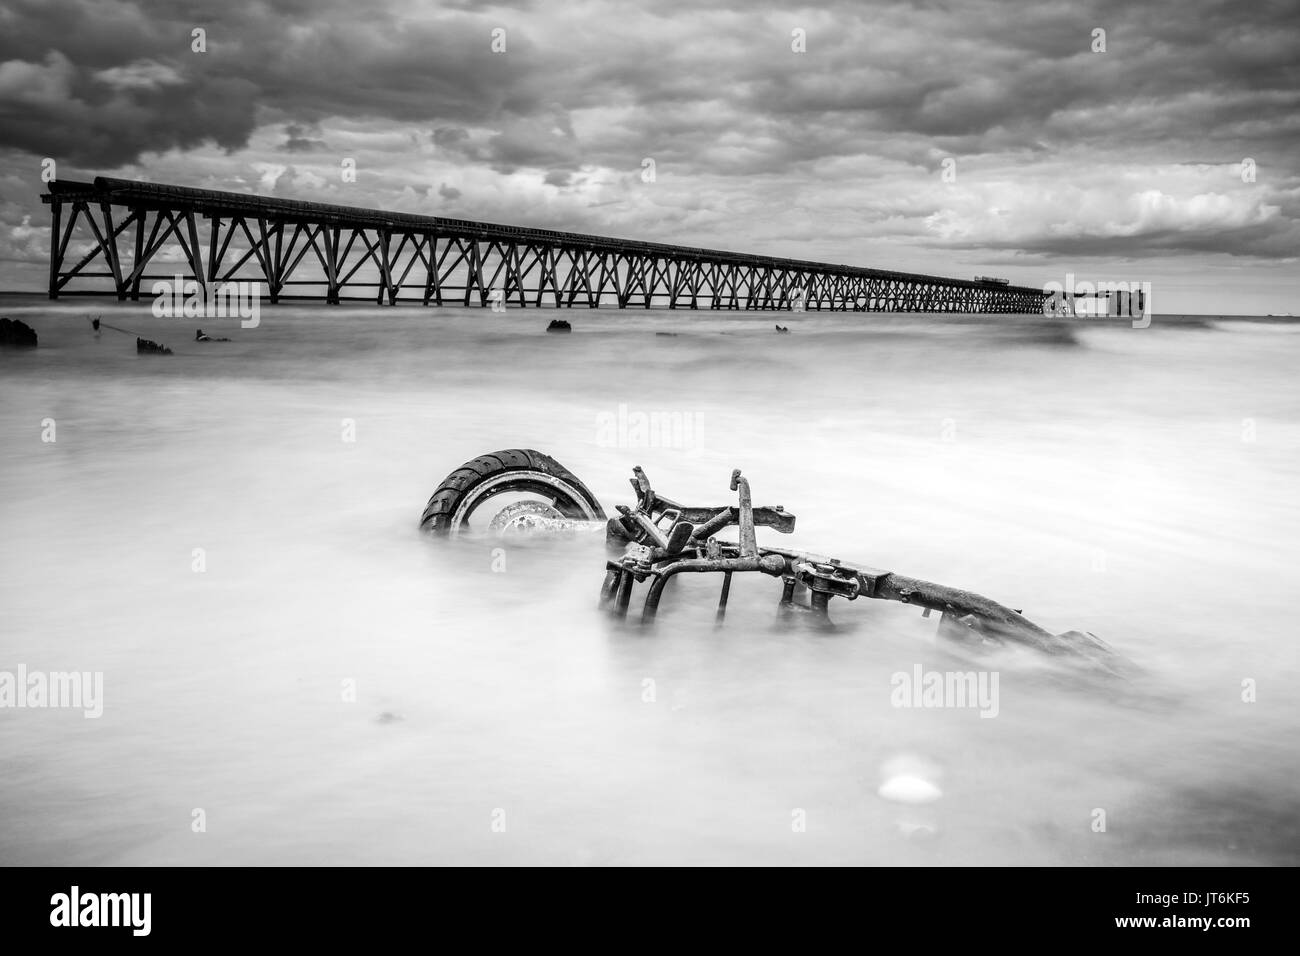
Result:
114,236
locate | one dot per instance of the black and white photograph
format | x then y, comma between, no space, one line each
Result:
667,434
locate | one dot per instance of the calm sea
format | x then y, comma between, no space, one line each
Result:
229,536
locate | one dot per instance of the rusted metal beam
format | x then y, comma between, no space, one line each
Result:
526,263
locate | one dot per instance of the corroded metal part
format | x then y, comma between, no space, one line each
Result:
656,555
300,249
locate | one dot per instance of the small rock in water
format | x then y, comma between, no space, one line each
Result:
910,779
906,788
17,335
559,325
388,717
150,347
917,831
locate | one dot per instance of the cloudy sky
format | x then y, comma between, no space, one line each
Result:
1122,164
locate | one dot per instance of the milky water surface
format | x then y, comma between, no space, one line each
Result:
1139,484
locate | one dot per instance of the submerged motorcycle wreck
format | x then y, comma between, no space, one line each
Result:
522,491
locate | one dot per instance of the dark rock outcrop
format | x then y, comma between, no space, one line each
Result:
17,335
147,347
559,325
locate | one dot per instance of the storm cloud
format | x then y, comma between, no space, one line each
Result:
980,132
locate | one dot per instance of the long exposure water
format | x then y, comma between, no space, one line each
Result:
229,534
